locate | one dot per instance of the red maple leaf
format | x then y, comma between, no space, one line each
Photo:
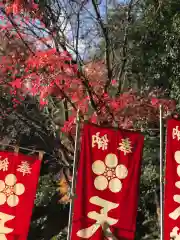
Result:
17,83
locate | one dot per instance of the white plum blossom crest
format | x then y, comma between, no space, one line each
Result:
10,190
109,173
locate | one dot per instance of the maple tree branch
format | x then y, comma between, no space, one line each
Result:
85,81
35,34
66,153
56,29
89,90
107,45
16,28
67,150
66,110
66,97
77,34
124,48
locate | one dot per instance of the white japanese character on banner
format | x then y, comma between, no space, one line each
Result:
102,219
174,235
125,146
10,190
102,142
176,213
109,173
176,133
4,164
5,230
24,168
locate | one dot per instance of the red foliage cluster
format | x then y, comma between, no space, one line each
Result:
49,73
19,6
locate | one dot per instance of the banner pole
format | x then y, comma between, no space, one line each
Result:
72,194
161,174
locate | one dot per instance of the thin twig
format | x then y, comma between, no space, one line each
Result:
16,28
124,47
107,45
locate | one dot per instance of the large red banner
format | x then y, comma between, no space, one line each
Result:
172,182
18,181
107,184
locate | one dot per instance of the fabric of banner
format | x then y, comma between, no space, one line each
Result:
172,182
18,181
107,184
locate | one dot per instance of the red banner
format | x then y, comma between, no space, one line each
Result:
18,181
172,182
107,184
